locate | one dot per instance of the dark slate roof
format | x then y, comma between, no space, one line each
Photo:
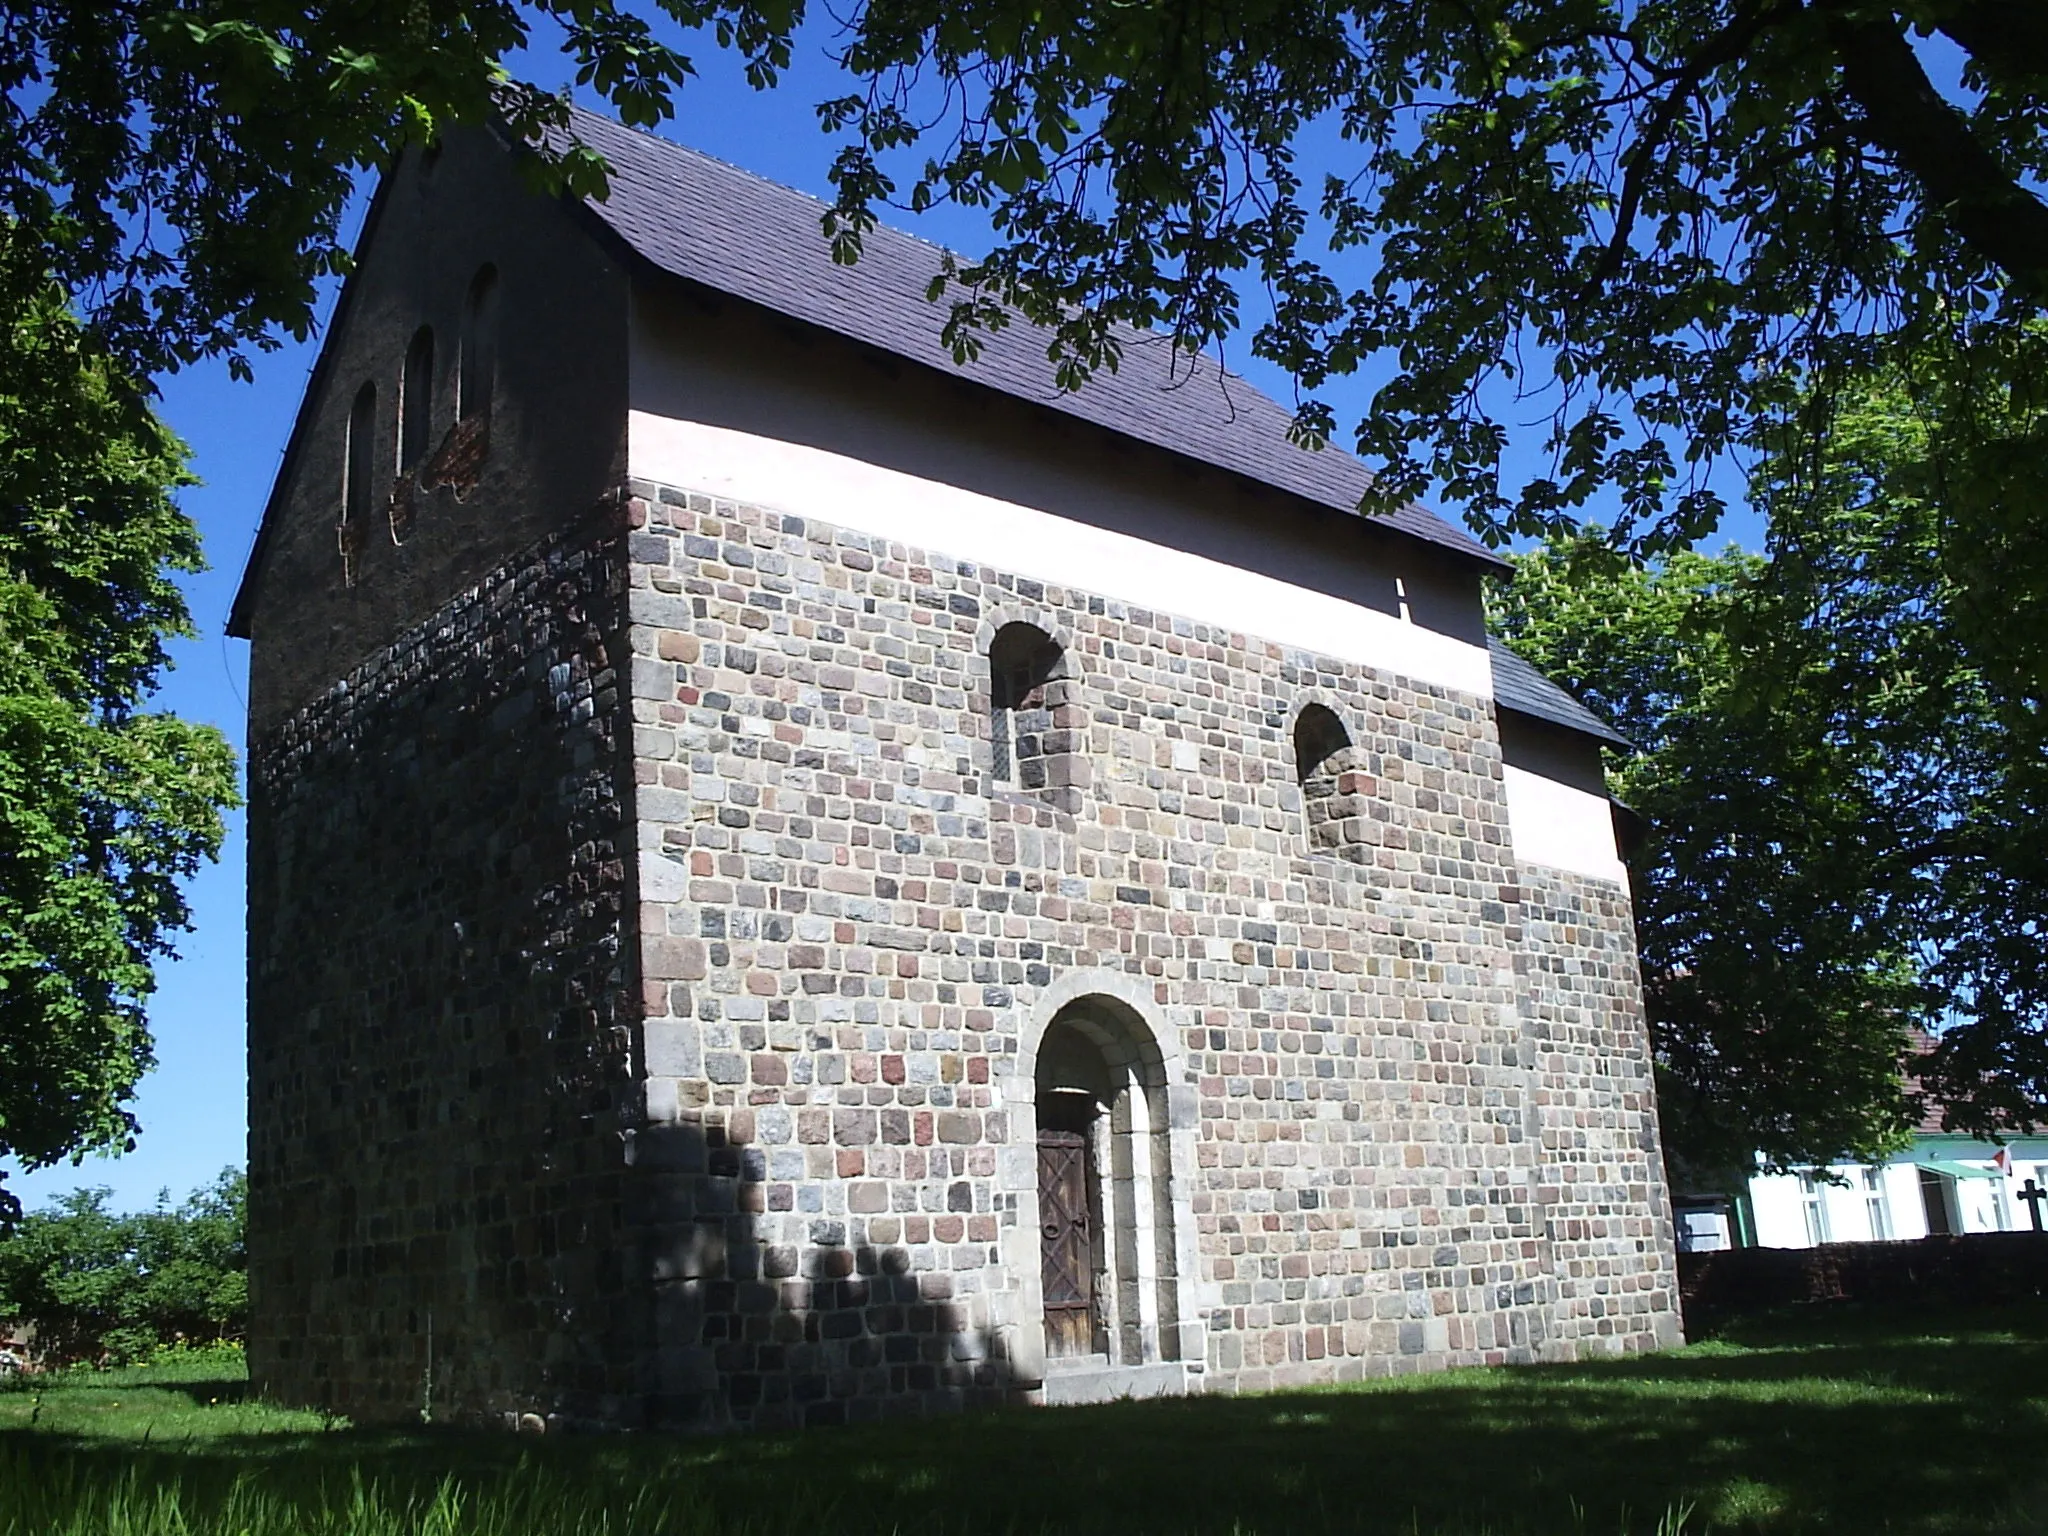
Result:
1520,687
712,223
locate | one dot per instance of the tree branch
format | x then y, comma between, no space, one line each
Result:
1931,141
1724,47
2008,38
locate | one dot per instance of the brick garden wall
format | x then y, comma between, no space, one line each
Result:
1973,1269
844,927
439,1025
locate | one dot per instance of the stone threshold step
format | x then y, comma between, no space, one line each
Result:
1092,1379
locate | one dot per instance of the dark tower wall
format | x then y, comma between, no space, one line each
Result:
439,866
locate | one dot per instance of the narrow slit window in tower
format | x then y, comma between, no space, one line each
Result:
477,376
358,468
416,400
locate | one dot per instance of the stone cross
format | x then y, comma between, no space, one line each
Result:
2033,1194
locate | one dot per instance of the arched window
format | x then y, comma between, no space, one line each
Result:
416,400
1034,724
477,376
358,470
1331,784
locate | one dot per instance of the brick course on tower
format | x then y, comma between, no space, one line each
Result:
791,881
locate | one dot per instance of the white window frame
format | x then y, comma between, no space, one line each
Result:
1813,1203
1877,1206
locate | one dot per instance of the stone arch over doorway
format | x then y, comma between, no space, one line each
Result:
1103,1113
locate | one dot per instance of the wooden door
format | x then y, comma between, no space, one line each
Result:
1066,1245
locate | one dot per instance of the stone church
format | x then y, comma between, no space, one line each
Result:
792,881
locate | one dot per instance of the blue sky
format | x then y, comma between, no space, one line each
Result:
192,1107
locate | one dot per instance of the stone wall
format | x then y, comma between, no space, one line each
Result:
440,1015
848,933
1402,1091
1606,1204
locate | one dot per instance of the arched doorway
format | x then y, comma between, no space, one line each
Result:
1107,1257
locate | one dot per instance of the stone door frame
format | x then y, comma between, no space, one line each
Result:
1173,1352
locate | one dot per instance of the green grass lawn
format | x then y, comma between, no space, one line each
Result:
1838,1421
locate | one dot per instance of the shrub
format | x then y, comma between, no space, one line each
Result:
111,1289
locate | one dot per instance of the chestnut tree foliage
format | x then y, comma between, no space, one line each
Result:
1840,756
1678,212
1637,236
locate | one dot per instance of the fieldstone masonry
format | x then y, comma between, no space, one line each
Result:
1607,1208
440,999
662,1045
1424,1132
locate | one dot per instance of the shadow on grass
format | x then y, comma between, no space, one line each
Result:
1869,1422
